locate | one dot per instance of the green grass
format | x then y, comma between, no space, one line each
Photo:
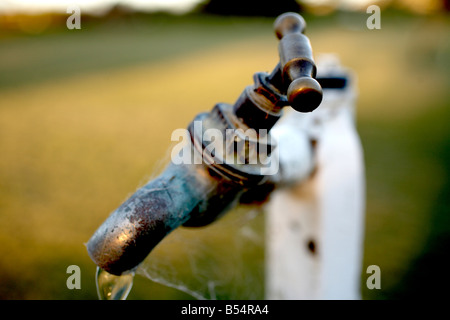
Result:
102,46
86,116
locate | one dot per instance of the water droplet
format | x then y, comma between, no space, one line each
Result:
112,287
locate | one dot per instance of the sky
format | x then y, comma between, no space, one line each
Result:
62,5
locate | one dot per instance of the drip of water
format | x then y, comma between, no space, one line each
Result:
111,287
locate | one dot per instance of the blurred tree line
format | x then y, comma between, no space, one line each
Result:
265,8
35,23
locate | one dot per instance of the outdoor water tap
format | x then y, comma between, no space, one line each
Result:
236,154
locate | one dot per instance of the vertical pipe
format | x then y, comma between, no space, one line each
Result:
315,229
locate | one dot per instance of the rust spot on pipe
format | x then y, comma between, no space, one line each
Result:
312,246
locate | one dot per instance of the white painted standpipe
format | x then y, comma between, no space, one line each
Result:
315,227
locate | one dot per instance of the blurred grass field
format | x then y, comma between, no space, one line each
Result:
86,117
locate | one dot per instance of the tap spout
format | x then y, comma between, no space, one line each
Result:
153,211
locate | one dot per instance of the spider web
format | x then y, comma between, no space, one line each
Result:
224,260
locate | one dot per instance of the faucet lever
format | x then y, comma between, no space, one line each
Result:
298,70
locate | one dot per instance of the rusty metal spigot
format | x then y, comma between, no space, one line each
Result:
196,194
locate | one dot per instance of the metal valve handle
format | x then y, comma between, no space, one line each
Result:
298,69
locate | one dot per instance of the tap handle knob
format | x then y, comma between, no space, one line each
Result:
297,65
